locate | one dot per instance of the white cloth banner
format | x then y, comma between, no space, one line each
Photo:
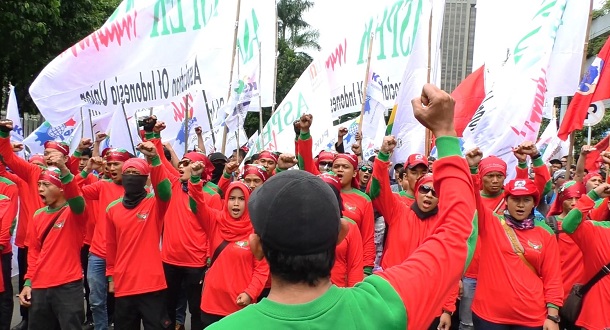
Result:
373,107
151,52
12,113
45,132
512,110
410,134
551,146
90,123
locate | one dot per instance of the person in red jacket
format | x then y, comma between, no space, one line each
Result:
30,201
356,204
299,242
10,193
593,239
519,262
347,270
133,261
184,251
234,278
103,192
53,289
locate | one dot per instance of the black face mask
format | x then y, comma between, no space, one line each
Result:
134,190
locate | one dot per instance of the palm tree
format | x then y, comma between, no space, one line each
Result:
293,30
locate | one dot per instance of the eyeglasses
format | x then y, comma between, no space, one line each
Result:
426,189
366,169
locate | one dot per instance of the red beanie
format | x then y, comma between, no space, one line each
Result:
492,164
139,164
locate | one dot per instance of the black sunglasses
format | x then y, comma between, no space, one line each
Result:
326,164
366,169
426,189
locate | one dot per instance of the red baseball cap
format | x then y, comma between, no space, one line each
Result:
416,159
522,187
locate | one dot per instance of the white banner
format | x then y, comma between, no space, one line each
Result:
512,110
151,52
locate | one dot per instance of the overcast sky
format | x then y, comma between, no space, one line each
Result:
492,33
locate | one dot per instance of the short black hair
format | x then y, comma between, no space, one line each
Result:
296,269
87,152
401,172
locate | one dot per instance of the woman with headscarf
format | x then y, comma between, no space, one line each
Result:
347,270
234,278
519,281
356,204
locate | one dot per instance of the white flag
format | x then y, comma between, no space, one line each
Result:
512,110
373,107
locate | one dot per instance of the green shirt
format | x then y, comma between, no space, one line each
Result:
371,304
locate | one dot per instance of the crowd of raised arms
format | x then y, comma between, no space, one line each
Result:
296,240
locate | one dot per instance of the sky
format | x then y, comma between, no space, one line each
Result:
492,33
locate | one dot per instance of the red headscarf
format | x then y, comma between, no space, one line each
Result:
353,160
332,179
591,176
37,158
257,170
267,155
492,164
52,176
116,155
569,190
62,147
139,164
522,187
231,229
424,180
208,168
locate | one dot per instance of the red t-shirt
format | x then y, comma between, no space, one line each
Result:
11,193
56,260
4,206
571,258
593,239
133,258
184,240
235,270
502,273
29,199
104,192
444,255
347,270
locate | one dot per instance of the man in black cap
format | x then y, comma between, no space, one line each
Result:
297,224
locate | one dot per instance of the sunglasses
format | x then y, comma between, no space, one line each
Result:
185,162
426,189
326,164
366,169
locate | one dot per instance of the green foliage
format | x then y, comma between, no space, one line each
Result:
35,32
596,44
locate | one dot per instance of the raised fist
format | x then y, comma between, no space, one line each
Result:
286,161
17,147
148,149
99,137
434,109
473,157
198,130
388,144
305,122
197,168
342,132
231,167
159,126
84,144
6,125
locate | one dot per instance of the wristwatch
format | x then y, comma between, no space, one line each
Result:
554,318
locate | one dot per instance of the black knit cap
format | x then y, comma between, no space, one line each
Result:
296,213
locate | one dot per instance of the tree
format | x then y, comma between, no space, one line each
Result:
35,32
294,36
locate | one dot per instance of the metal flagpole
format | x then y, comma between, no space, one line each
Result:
225,131
260,98
366,82
133,147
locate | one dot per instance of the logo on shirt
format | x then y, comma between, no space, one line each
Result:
349,207
535,245
242,244
142,216
59,225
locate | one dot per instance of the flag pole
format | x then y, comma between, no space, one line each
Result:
186,124
82,124
209,121
275,54
91,124
428,136
226,130
133,147
366,82
260,97
582,71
